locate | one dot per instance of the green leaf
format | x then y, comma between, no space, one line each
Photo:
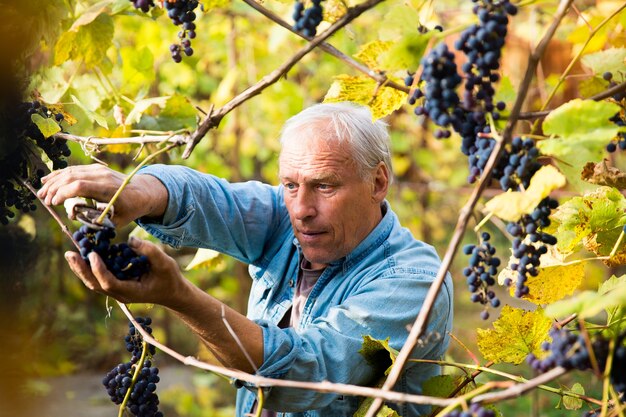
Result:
384,411
611,60
363,90
596,220
582,119
93,116
88,43
178,113
512,205
398,22
378,353
573,403
204,258
141,106
582,130
515,334
91,14
443,386
588,303
137,67
47,126
405,53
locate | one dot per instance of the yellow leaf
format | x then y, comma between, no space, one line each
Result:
382,101
514,335
557,279
369,53
512,205
204,258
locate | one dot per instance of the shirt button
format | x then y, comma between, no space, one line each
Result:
291,283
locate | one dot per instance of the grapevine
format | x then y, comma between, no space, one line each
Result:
307,19
137,375
21,161
481,272
181,13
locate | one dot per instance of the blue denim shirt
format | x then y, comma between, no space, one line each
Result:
376,290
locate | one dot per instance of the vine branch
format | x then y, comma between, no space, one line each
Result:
422,318
213,120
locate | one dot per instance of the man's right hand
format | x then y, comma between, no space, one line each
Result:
143,196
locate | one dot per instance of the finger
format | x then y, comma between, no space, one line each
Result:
90,174
82,271
158,259
121,290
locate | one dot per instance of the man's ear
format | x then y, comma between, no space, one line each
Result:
380,183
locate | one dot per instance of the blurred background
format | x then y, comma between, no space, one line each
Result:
57,339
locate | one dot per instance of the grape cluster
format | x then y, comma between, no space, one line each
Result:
143,5
182,13
440,74
16,160
481,272
530,242
143,400
475,410
466,113
571,351
307,19
567,350
120,259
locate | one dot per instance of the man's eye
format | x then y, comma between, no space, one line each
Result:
324,186
290,186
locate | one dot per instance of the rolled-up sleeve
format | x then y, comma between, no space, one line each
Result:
209,212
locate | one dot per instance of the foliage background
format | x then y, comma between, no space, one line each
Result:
119,61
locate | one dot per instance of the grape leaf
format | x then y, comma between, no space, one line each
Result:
204,258
555,281
443,385
137,67
592,86
376,351
611,60
141,106
603,174
573,403
368,54
594,219
406,52
382,101
46,125
582,130
178,113
590,303
384,411
93,116
398,22
91,14
515,334
88,43
582,119
512,205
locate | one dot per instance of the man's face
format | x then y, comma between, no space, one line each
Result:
332,209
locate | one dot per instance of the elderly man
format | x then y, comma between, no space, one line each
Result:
329,260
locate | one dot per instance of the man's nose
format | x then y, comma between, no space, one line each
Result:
304,204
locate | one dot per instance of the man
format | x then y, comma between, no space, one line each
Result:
329,260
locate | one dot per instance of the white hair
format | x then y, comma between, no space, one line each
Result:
348,123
